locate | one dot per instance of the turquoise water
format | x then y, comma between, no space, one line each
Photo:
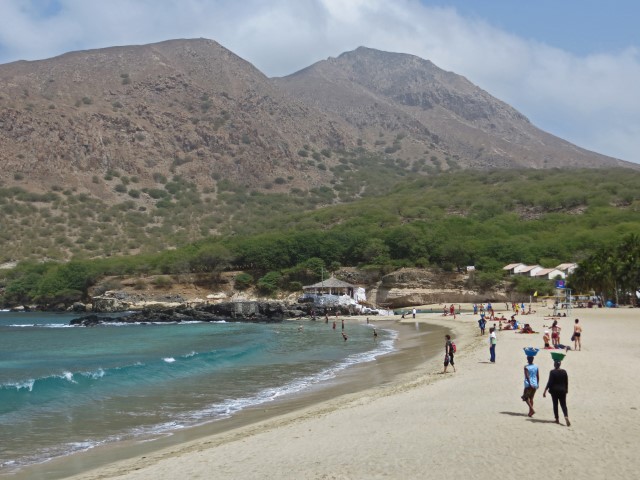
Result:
67,389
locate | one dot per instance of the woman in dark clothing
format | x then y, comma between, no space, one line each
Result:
558,387
448,354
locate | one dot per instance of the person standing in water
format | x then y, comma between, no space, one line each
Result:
577,333
531,382
558,387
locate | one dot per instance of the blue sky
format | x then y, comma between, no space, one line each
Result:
579,26
571,66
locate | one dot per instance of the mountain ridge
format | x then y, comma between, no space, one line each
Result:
486,131
194,108
146,148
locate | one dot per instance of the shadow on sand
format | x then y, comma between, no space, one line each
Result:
531,419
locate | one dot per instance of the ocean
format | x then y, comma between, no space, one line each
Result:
69,389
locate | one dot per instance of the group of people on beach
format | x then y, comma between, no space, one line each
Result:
557,386
554,338
558,383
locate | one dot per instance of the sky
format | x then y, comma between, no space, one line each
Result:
571,66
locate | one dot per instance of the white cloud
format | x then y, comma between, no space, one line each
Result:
591,100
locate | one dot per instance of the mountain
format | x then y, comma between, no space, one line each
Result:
139,149
188,107
382,94
193,108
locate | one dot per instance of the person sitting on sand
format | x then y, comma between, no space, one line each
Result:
527,328
547,339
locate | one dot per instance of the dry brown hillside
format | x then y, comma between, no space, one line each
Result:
382,94
193,108
187,107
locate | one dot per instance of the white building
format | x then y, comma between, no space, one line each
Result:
550,273
567,268
514,268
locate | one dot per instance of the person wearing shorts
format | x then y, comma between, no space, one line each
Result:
577,333
531,382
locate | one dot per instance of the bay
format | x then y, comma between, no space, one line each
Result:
69,389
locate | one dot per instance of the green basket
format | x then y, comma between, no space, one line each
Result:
558,356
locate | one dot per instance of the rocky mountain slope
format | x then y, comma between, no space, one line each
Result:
381,93
187,107
193,108
140,149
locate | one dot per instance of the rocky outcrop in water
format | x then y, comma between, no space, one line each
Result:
227,311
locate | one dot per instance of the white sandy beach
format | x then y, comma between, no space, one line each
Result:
468,424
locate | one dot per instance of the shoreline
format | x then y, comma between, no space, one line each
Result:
412,346
471,423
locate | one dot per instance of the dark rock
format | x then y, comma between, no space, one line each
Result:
78,307
252,311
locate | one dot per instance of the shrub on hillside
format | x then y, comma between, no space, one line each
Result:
243,281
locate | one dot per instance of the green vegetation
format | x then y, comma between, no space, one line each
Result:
372,215
612,271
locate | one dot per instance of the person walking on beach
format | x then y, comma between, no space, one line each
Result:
482,323
448,354
558,387
413,312
493,339
577,333
531,382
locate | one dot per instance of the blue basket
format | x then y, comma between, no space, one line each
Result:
530,351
